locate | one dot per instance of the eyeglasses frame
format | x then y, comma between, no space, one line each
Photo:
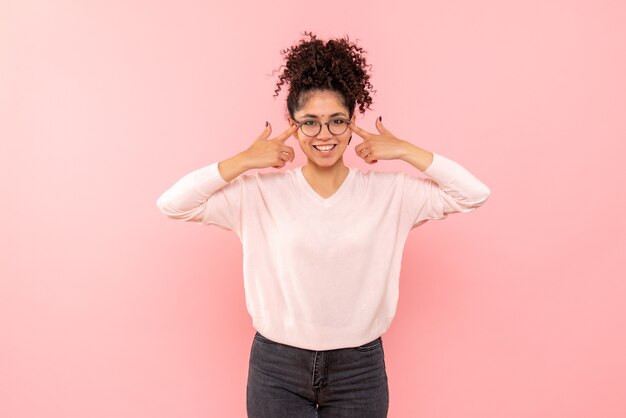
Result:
348,122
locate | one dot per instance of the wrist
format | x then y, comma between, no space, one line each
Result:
243,161
416,156
406,150
233,167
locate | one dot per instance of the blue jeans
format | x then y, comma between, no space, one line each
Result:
292,382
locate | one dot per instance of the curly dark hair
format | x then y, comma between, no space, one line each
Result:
338,65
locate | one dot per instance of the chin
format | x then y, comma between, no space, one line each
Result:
326,163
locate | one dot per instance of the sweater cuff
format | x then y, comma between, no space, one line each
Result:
443,170
208,180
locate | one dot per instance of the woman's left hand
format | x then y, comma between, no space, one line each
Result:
385,146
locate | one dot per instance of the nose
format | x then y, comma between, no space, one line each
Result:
325,132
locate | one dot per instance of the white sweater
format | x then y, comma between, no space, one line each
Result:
319,273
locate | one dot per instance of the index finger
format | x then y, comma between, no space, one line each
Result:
360,132
287,133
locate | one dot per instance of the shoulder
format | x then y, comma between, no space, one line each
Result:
380,177
392,180
268,177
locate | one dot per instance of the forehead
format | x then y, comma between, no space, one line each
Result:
322,103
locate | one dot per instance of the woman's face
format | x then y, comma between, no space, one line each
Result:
323,106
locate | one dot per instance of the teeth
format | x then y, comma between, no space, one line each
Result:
324,147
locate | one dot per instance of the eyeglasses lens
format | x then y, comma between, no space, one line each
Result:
336,127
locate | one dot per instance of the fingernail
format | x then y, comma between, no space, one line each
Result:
380,118
374,161
266,123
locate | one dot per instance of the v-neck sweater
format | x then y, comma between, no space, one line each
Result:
323,273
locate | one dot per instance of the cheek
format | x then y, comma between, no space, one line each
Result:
304,142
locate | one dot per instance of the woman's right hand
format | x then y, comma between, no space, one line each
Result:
262,153
270,152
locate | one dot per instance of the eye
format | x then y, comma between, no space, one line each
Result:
338,122
310,123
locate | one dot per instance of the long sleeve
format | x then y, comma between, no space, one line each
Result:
451,188
203,196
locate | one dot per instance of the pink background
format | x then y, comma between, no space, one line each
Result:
110,309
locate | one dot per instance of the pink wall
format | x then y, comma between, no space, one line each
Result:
110,309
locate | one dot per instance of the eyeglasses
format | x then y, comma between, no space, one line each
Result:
313,128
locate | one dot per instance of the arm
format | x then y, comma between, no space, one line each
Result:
262,153
213,194
193,189
386,146
450,188
450,176
456,181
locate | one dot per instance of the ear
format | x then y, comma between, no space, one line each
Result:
291,123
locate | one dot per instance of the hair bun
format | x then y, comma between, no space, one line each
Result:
337,64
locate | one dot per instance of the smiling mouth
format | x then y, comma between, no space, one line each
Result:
325,148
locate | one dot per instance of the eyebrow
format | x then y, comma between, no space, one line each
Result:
309,115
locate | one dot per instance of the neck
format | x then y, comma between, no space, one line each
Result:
337,171
325,176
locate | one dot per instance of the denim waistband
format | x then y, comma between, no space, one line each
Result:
372,344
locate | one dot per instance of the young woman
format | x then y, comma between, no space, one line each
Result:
322,243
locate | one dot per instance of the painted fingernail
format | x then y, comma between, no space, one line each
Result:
374,161
266,123
380,118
